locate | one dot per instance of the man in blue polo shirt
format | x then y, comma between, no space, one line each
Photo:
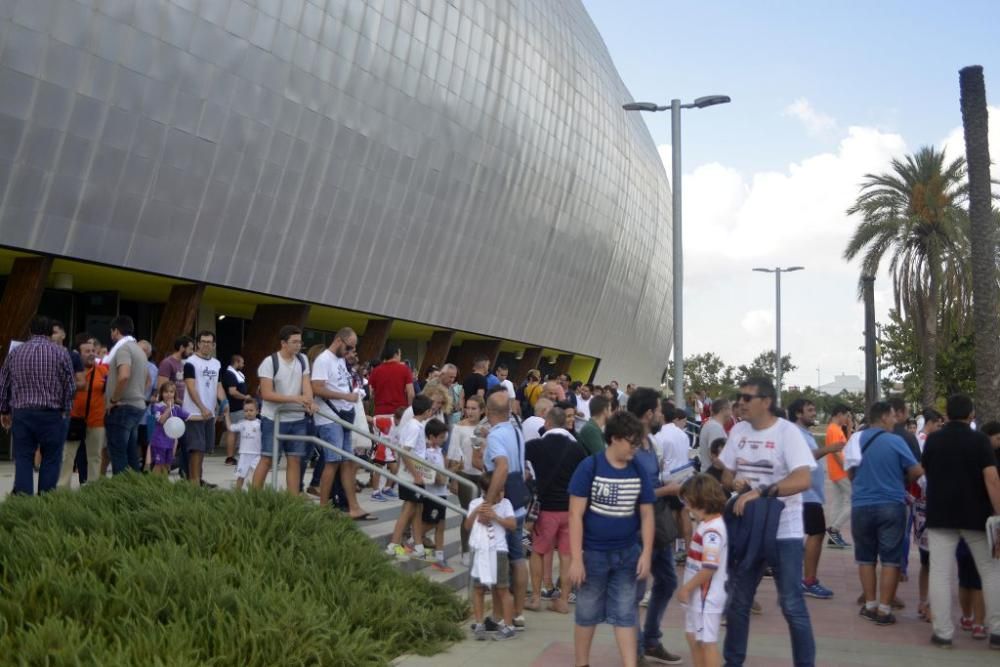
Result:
880,465
505,459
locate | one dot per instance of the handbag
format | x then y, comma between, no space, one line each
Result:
663,520
77,431
515,489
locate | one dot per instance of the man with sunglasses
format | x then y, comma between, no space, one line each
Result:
767,457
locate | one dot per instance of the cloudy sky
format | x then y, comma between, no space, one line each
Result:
822,94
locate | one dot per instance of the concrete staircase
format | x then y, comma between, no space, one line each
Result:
381,531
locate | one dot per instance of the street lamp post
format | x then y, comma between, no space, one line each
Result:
678,251
777,271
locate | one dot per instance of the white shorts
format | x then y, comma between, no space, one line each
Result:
246,465
703,625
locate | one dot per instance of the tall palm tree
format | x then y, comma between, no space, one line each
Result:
915,215
983,238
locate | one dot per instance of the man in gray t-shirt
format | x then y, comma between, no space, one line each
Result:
126,396
713,429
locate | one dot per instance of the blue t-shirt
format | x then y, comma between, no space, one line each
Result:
815,492
503,440
611,522
881,476
647,461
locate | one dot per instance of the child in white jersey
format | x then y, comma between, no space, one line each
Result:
249,430
490,565
704,590
414,447
435,432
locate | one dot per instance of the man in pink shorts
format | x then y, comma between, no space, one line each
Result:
554,457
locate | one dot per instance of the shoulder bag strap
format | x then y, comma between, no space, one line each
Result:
869,443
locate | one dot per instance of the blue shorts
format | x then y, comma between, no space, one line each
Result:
878,532
339,437
289,447
515,542
608,593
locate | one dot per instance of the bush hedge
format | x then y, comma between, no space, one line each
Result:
136,570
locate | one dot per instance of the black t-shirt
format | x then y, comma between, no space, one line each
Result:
229,379
911,440
474,383
954,459
554,458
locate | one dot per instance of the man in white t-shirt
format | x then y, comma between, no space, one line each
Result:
284,383
583,396
532,426
202,396
503,374
333,391
767,457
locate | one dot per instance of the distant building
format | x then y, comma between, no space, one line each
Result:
850,383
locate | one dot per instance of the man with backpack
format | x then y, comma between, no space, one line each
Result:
284,380
610,506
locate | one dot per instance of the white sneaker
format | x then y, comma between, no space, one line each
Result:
466,559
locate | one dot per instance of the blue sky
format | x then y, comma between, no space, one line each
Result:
823,93
891,65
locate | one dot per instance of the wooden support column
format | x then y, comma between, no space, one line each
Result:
21,297
373,340
563,362
262,333
437,351
179,317
532,356
465,356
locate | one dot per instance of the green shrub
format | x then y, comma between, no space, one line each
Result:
139,571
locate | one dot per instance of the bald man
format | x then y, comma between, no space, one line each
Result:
505,459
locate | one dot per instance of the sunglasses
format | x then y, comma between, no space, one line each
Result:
746,398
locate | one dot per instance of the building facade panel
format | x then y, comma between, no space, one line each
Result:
464,164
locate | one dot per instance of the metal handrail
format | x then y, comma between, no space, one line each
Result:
327,413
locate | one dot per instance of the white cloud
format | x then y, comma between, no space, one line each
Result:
815,122
796,216
757,322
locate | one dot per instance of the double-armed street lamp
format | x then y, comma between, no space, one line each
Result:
678,270
777,271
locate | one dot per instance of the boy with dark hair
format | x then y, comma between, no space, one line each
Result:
433,513
413,439
611,504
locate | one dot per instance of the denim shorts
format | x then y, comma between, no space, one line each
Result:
878,533
289,447
515,542
339,437
608,593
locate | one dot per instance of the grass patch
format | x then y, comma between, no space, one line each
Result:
136,570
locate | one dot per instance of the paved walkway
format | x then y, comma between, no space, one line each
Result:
842,638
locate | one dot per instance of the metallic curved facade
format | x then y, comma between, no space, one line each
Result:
463,163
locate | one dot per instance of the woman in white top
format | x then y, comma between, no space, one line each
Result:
464,444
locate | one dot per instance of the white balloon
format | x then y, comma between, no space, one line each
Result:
174,427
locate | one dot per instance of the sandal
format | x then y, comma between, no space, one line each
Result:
924,612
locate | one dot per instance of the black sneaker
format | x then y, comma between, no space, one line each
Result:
769,573
995,641
885,619
490,625
946,643
230,461
208,485
868,614
662,655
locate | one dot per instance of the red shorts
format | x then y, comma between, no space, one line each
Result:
382,453
551,531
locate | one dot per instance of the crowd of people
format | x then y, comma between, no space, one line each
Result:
612,485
